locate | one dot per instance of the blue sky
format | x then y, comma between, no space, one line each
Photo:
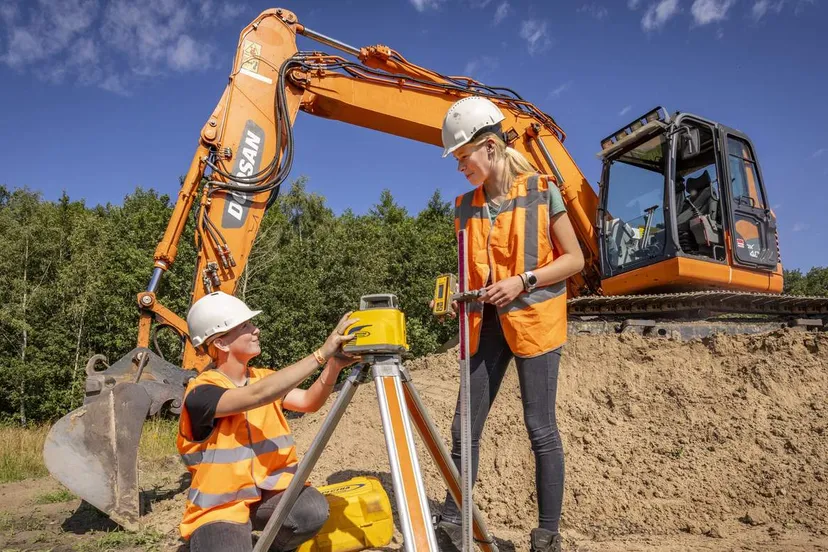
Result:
99,97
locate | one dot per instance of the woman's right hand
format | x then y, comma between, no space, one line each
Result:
338,338
452,314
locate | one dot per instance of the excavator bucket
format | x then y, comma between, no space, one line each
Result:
93,450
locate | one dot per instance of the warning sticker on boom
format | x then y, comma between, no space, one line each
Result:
251,52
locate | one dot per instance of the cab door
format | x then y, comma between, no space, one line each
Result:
752,225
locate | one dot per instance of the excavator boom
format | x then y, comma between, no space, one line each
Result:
244,154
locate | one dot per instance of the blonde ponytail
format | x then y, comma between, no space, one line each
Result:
514,162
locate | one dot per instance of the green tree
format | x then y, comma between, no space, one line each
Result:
814,283
72,273
32,253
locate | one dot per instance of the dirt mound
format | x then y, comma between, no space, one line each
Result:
713,436
660,436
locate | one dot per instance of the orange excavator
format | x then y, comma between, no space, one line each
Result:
681,229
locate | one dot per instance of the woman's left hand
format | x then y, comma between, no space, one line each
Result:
340,361
503,292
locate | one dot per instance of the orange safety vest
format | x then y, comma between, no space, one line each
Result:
244,454
520,240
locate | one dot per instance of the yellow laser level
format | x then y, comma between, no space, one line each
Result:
444,288
381,326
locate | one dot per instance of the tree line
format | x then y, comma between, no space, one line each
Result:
70,275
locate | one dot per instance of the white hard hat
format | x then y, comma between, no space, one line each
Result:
467,117
215,314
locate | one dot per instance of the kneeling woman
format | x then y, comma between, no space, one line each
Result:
234,438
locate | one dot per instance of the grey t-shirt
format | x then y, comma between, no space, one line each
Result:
556,204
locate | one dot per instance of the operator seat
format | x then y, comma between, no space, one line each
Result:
699,196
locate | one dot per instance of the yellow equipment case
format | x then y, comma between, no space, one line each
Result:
360,517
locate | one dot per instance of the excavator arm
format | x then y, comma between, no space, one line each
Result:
244,154
236,172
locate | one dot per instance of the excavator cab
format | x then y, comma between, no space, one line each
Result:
682,202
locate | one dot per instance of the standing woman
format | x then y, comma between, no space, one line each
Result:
521,248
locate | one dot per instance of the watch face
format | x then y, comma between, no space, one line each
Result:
532,279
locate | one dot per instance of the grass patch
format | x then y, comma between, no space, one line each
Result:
21,452
21,448
158,439
117,540
29,522
55,497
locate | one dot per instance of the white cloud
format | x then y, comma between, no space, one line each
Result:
626,109
187,54
595,10
52,27
761,8
210,10
23,48
114,83
534,32
423,5
479,4
658,14
710,11
501,12
8,12
634,4
479,67
800,227
147,35
800,5
110,44
556,93
820,152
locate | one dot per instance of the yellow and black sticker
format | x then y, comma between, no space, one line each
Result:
251,52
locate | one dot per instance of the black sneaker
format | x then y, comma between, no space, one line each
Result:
545,541
449,534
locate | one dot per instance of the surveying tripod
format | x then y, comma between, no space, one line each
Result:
400,406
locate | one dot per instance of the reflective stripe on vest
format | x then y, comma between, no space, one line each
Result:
245,454
208,500
228,456
520,240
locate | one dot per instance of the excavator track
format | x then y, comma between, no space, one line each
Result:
696,314
712,302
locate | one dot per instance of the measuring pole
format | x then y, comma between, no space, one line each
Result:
465,397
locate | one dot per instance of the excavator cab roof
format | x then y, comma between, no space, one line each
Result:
649,124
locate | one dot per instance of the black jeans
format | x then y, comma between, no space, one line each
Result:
305,519
538,389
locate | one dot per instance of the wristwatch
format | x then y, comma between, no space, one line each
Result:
531,280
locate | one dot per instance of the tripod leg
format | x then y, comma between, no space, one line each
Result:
412,502
442,459
310,458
